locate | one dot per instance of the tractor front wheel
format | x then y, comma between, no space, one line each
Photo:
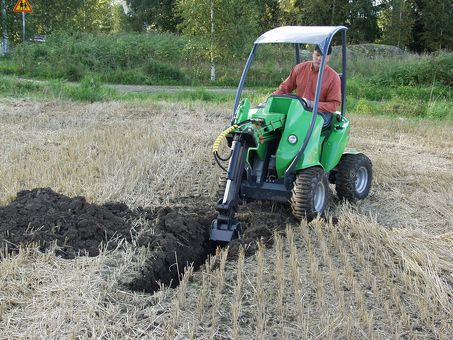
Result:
354,176
310,193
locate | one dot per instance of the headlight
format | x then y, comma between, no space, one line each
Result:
292,139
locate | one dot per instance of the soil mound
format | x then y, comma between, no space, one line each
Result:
43,216
178,234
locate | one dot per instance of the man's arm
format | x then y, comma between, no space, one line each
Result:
289,84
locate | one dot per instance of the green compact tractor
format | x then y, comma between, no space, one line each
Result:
283,151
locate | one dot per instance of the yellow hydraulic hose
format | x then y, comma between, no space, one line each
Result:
215,148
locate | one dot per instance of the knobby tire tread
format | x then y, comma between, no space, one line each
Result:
302,200
346,176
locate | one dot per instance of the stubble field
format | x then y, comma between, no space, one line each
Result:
377,269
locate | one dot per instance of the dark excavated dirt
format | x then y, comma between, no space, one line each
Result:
178,233
43,216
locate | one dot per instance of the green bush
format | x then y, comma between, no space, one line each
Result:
7,66
71,55
90,89
428,71
125,77
443,65
73,72
164,73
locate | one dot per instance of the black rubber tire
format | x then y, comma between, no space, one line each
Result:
222,185
310,193
354,177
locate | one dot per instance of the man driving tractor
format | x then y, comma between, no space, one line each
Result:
291,148
304,77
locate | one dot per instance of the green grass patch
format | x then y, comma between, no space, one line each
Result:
92,89
13,87
8,66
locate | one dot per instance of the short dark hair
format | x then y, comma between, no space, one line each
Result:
329,50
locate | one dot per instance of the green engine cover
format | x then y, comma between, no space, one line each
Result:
297,124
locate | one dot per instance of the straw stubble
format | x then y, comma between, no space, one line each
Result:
377,269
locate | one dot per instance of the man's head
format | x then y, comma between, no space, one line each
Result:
317,56
329,49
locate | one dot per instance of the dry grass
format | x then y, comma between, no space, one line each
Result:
379,269
140,154
413,178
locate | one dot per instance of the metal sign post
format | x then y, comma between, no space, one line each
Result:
23,6
23,27
5,33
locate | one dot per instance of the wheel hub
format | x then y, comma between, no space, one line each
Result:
319,197
361,179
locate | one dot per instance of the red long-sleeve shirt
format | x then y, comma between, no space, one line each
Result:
303,78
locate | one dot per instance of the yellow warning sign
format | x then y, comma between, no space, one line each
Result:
22,6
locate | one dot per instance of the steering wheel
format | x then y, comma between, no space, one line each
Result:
293,96
303,100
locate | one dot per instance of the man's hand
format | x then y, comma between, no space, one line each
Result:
310,103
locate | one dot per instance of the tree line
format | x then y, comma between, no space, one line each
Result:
415,25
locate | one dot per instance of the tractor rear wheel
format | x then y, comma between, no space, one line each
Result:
310,193
354,177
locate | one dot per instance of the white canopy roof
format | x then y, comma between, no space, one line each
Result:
298,34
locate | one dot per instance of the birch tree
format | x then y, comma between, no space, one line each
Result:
219,29
397,23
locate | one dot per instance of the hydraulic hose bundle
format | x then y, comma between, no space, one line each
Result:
215,148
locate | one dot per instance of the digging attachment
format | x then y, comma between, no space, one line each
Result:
224,228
